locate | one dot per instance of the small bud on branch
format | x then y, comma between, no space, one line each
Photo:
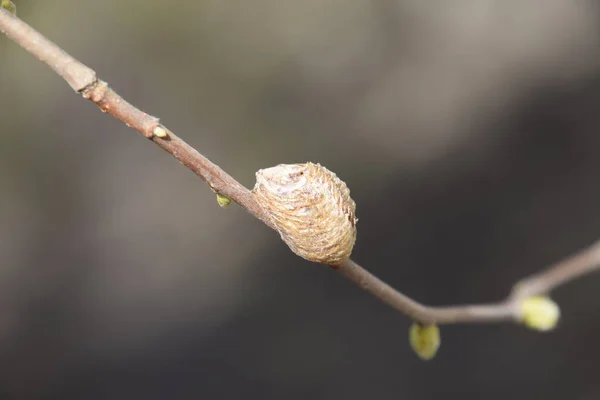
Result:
540,313
424,340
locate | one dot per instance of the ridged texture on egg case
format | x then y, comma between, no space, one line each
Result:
311,208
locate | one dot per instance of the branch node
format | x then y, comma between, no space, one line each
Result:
95,92
79,78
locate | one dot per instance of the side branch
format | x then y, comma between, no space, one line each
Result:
84,81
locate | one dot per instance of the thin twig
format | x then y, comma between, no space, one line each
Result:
83,80
579,264
424,314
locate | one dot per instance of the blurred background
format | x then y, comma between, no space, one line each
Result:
467,130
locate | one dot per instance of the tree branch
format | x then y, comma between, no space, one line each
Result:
83,80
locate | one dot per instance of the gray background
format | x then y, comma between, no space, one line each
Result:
467,130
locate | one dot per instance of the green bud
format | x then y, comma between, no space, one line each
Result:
223,201
9,5
539,313
424,340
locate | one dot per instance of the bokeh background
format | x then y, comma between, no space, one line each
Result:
467,130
